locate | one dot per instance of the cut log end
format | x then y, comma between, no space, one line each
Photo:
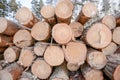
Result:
99,36
11,54
75,53
94,75
96,59
26,57
5,75
72,67
77,28
47,11
54,55
62,33
3,24
41,69
22,17
89,9
116,74
41,31
22,38
116,37
110,49
110,21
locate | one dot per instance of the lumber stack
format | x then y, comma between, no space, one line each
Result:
58,49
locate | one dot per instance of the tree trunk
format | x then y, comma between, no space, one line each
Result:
75,55
8,27
63,16
54,55
60,30
5,41
89,10
11,54
11,72
27,20
41,31
41,69
26,56
48,13
22,38
91,74
112,68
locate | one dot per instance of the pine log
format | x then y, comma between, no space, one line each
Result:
117,19
54,55
26,56
112,68
27,20
2,49
116,37
48,13
8,27
91,74
110,49
5,41
60,73
63,13
118,50
22,38
41,69
69,3
98,36
40,48
96,59
26,76
77,28
76,75
110,21
11,54
75,55
11,72
89,10
62,33
41,31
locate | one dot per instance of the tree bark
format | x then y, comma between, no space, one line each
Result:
112,68
8,27
89,10
5,41
48,13
91,74
27,20
63,16
116,37
60,73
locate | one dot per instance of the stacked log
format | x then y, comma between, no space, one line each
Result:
58,49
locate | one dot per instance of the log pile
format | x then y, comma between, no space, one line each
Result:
58,49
